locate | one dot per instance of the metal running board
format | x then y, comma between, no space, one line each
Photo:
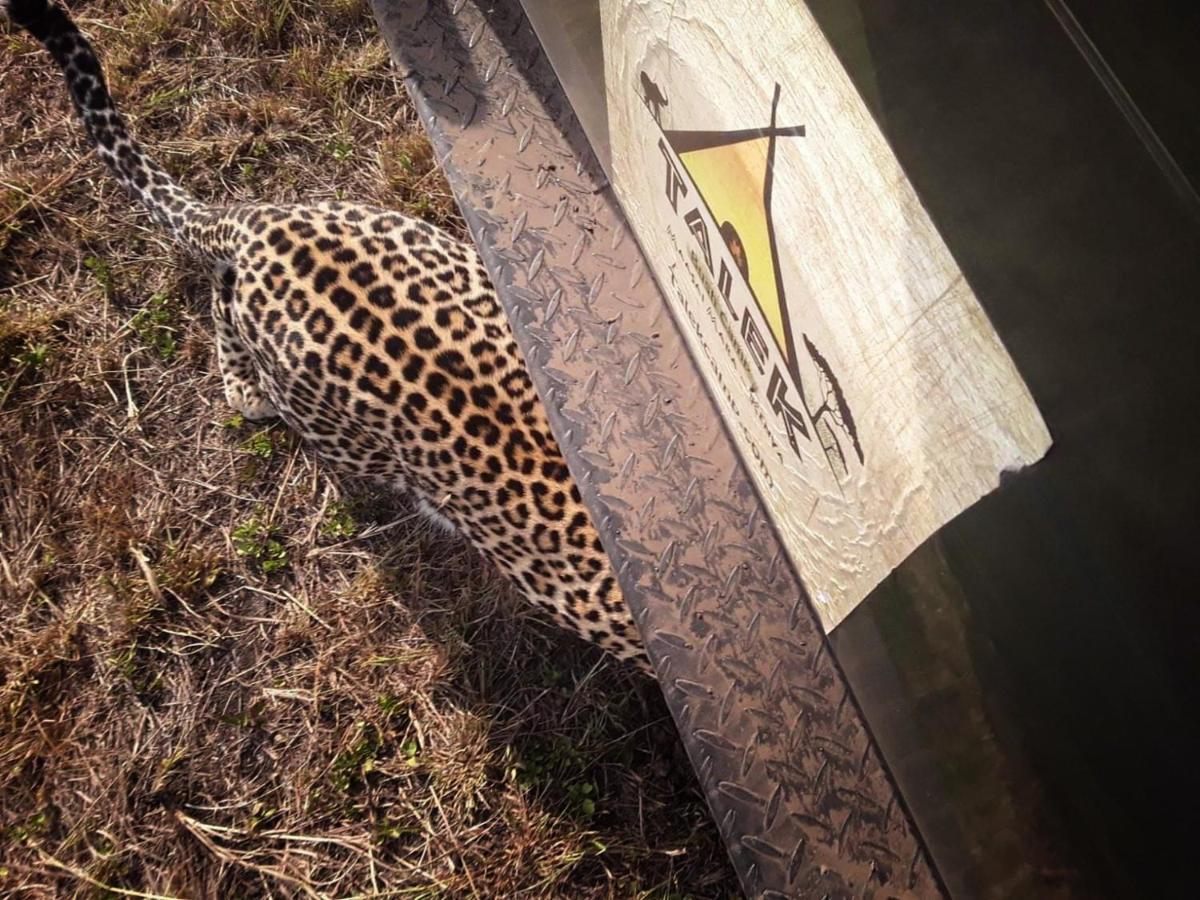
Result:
788,769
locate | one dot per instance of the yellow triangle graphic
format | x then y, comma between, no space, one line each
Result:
731,178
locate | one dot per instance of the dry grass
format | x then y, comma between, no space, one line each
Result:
222,672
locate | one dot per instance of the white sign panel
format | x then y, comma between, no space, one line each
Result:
869,393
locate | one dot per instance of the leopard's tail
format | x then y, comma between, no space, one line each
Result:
169,204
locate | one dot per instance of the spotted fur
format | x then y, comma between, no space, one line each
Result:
381,341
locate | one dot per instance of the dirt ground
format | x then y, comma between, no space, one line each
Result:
224,672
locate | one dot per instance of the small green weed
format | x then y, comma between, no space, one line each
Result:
340,149
552,674
410,749
134,664
406,162
168,98
250,717
156,325
389,831
261,815
338,521
167,763
261,444
30,830
258,542
389,705
125,662
557,765
34,357
101,270
352,766
581,797
421,206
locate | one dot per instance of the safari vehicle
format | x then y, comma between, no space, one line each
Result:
870,331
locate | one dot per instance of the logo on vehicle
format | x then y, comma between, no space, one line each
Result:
720,183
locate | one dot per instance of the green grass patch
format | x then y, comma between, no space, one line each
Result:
259,543
157,326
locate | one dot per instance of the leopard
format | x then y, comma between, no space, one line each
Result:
381,341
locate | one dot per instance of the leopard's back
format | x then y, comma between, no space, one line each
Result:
381,341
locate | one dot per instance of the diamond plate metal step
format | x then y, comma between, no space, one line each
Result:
788,768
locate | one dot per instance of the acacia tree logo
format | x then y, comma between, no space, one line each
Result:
733,174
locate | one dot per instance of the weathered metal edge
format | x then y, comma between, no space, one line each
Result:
786,762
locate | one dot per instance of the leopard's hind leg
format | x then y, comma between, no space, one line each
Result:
243,391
